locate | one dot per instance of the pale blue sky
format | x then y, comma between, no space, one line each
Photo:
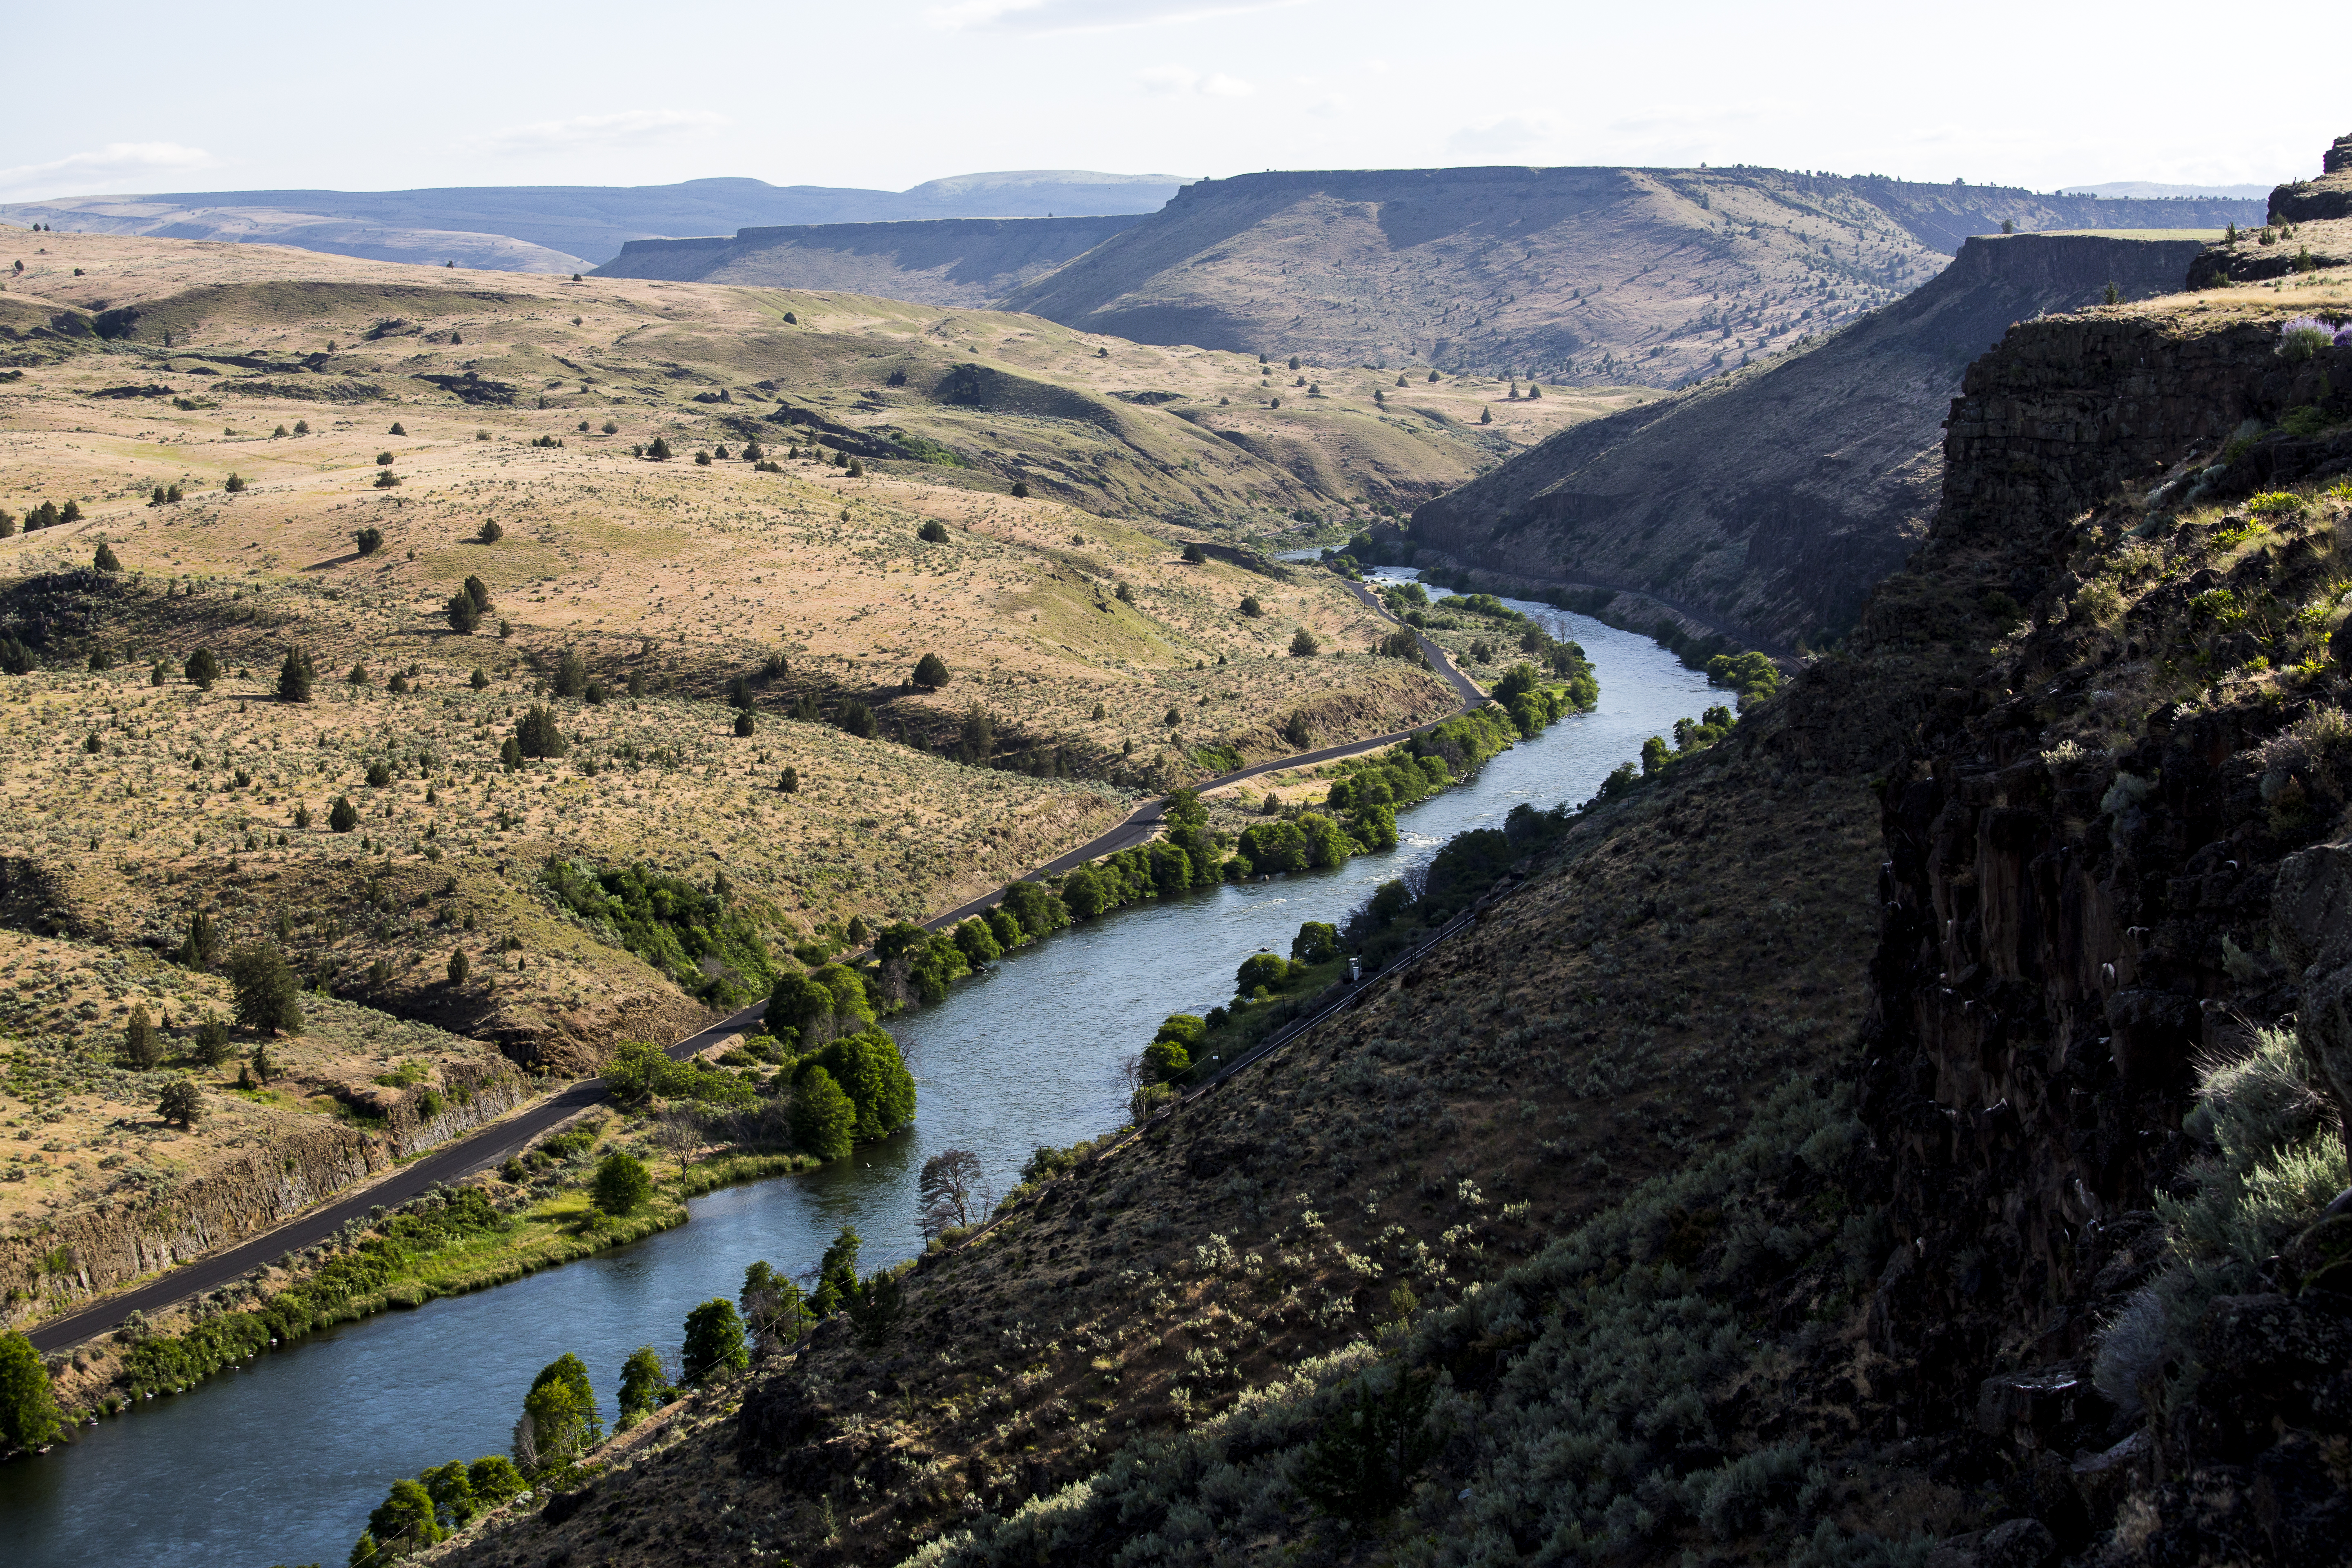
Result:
886,94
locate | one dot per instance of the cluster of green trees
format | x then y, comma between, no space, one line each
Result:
1387,923
48,514
1190,856
1465,867
853,1089
421,1512
1752,675
641,1070
340,1290
697,936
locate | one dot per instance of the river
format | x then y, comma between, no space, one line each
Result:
281,1462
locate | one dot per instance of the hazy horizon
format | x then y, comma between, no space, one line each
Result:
1203,87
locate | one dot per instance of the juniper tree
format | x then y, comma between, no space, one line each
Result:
931,671
139,1041
714,1342
182,1103
490,533
294,676
342,816
202,669
459,965
464,614
477,680
267,997
107,560
203,943
536,734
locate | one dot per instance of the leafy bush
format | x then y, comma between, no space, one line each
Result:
866,1067
823,1120
2272,1158
622,1185
1753,675
641,1070
711,948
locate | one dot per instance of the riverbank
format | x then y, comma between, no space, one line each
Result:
536,1214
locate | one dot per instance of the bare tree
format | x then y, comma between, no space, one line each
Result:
680,1132
526,1444
951,1191
1131,1074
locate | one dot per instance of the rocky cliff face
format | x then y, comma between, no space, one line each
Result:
1771,503
966,261
2328,196
120,1239
2106,864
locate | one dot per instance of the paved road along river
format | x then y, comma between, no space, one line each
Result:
281,1462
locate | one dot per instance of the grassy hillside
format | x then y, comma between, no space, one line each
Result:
1659,276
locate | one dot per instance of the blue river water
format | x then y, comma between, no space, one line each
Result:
281,1463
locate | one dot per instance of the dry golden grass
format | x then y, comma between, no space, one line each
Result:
79,1121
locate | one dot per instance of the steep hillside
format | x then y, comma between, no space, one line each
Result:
1882,1128
565,228
1771,501
944,261
1654,276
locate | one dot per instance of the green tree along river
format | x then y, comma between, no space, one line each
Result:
282,1462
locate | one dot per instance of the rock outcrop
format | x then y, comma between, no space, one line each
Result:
124,1237
968,262
2328,196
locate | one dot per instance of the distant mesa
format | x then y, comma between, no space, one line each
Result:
571,229
967,262
2156,190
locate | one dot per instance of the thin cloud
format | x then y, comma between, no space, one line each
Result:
116,167
1506,136
632,128
1086,15
1183,79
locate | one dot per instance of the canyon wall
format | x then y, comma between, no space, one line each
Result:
1771,503
130,1234
2100,878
